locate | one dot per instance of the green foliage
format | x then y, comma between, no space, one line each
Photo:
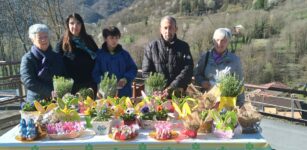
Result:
128,39
62,86
259,4
67,114
230,86
103,115
128,116
28,106
204,114
224,121
108,85
85,92
148,115
155,82
161,114
268,72
68,100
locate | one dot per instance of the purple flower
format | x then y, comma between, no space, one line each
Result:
145,110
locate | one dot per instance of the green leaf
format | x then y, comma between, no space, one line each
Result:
61,103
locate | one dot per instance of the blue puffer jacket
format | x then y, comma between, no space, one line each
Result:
36,74
120,63
228,60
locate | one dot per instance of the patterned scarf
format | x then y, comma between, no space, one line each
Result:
81,45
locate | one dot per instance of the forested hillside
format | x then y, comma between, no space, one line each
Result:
272,45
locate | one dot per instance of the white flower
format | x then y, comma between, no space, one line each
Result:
221,74
130,111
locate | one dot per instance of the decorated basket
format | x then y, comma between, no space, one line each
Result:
221,134
71,135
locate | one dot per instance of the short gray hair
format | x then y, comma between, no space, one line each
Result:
169,18
36,28
222,32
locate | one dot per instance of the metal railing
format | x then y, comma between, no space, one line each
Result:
261,98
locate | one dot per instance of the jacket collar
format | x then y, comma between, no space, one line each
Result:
166,43
118,48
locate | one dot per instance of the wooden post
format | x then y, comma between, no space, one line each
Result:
133,90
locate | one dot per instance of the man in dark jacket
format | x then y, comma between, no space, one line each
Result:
169,56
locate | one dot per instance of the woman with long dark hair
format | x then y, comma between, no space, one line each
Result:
79,52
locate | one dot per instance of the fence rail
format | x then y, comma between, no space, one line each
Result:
281,104
10,79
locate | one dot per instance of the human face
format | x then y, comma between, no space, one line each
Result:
112,42
74,26
168,30
220,44
41,40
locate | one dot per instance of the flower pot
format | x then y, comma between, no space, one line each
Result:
27,115
221,134
101,127
129,122
147,124
205,127
227,102
190,133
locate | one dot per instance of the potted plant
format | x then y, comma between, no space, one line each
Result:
191,125
146,117
155,82
249,118
205,103
61,86
35,110
205,123
225,123
129,117
108,85
101,123
230,87
161,113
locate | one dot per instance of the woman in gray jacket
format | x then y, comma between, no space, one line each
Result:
216,59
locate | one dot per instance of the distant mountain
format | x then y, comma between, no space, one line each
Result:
94,10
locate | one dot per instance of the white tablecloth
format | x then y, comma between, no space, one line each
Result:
89,141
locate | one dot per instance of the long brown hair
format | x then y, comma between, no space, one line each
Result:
67,45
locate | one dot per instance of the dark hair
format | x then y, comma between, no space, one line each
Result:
67,46
110,31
